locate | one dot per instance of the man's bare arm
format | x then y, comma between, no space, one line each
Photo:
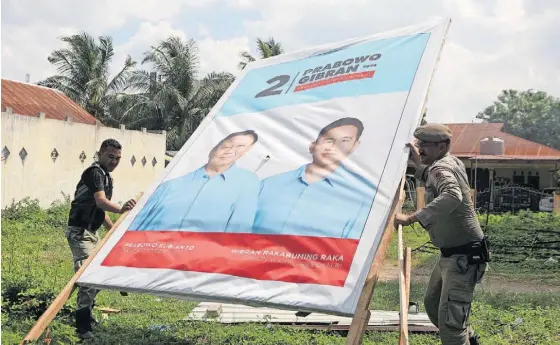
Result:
108,222
105,204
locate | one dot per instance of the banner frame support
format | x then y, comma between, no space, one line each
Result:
362,315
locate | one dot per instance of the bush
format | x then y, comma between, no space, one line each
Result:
31,264
22,210
527,241
24,299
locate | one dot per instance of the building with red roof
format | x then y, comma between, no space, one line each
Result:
33,100
48,140
506,172
491,155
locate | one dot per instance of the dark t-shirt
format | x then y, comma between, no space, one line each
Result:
84,211
94,180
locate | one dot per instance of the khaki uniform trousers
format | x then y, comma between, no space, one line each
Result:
82,242
449,297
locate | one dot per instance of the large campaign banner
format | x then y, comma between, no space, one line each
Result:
281,196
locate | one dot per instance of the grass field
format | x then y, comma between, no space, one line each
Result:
36,264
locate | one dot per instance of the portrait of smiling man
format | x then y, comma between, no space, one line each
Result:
321,198
217,197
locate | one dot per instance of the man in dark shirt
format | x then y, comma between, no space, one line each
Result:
87,213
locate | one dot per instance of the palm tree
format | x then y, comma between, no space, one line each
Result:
171,97
266,49
83,69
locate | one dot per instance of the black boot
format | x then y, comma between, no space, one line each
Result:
83,323
473,340
94,321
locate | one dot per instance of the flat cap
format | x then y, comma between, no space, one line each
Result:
432,132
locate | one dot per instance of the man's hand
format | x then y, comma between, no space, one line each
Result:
129,205
403,219
414,153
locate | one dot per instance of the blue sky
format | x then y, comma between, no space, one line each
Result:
492,44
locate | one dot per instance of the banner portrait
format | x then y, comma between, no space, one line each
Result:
281,195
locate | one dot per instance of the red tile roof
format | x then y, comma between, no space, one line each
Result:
467,136
29,99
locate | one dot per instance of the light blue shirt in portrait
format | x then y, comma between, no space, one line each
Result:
337,206
226,202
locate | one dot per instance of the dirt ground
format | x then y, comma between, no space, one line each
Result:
491,281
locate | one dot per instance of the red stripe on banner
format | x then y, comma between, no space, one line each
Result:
346,77
294,259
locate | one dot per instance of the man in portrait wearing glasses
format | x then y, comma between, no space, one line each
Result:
219,196
321,198
451,221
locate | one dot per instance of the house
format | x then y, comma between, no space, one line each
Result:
492,156
48,140
506,172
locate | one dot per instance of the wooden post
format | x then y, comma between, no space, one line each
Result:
403,315
362,314
408,272
556,203
420,195
473,197
66,292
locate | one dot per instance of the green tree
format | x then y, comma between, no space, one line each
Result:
84,73
532,115
265,49
171,97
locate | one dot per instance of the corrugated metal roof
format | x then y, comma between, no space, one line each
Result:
29,99
238,313
467,136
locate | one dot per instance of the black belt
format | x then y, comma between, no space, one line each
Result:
478,251
464,249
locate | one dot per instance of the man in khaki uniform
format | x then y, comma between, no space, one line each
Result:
87,214
451,221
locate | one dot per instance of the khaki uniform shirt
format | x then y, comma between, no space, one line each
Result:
449,215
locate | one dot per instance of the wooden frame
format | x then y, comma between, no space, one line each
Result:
361,316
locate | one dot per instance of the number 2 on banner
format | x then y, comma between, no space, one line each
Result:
273,90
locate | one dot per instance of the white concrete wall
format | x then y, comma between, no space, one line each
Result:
38,176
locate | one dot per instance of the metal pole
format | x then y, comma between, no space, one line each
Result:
476,174
512,199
